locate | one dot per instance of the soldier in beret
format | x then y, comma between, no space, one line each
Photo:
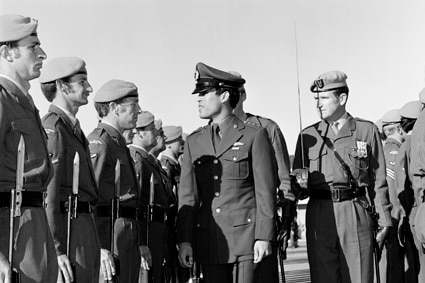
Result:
64,83
169,160
160,139
117,105
391,265
417,169
154,246
21,59
227,193
407,204
286,201
346,168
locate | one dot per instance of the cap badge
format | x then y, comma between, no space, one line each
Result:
319,83
196,75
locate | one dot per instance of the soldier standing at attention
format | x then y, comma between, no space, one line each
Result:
338,225
64,84
153,245
227,193
392,259
21,59
117,105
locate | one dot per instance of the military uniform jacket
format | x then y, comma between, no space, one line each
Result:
391,150
145,165
18,118
173,169
417,158
359,144
280,150
63,142
227,198
107,146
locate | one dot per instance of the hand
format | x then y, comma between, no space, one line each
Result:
381,237
65,271
261,250
186,255
107,265
146,257
5,270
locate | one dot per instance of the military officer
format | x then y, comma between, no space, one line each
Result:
64,83
169,160
227,193
338,225
153,230
286,203
392,259
21,58
117,105
403,184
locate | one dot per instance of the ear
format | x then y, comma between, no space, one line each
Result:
113,107
225,97
60,85
343,98
6,52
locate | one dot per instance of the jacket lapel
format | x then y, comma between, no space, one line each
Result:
205,140
230,136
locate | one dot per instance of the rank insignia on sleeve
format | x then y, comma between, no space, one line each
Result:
49,131
93,155
95,142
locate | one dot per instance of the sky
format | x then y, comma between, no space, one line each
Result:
156,44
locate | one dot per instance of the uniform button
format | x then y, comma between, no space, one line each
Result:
235,158
218,210
217,194
215,161
249,219
235,126
215,177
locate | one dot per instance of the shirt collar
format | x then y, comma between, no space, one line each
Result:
21,87
69,114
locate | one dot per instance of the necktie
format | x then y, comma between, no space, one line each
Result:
31,101
77,129
216,136
335,128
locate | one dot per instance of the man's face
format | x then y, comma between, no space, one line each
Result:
209,104
127,113
29,57
79,89
148,136
329,106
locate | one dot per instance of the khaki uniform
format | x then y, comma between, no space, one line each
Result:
146,164
63,142
227,198
339,234
35,257
107,146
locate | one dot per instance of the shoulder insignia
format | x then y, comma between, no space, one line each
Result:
49,131
198,130
56,160
394,152
93,155
95,142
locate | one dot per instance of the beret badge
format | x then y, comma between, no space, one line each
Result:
319,83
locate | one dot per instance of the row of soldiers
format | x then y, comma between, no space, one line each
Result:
103,207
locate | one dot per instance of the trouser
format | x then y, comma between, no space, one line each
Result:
239,272
84,248
339,241
126,245
34,253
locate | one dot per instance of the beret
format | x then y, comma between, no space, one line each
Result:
208,78
114,90
16,27
391,117
172,133
422,96
329,81
144,119
62,67
420,223
158,124
411,109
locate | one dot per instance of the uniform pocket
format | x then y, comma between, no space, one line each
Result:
236,165
243,222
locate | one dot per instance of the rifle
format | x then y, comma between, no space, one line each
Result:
376,250
115,204
15,205
72,209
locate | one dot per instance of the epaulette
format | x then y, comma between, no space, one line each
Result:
363,120
198,130
51,118
315,125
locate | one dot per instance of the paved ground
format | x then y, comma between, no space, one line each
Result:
296,265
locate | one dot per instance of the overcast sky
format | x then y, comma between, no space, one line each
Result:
156,44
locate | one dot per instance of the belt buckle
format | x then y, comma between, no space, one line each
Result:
45,199
335,195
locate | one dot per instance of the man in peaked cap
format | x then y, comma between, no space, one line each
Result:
169,160
339,227
64,83
286,202
21,59
417,168
403,183
227,193
392,259
117,105
154,246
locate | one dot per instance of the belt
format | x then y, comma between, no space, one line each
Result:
29,199
124,211
338,194
82,207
